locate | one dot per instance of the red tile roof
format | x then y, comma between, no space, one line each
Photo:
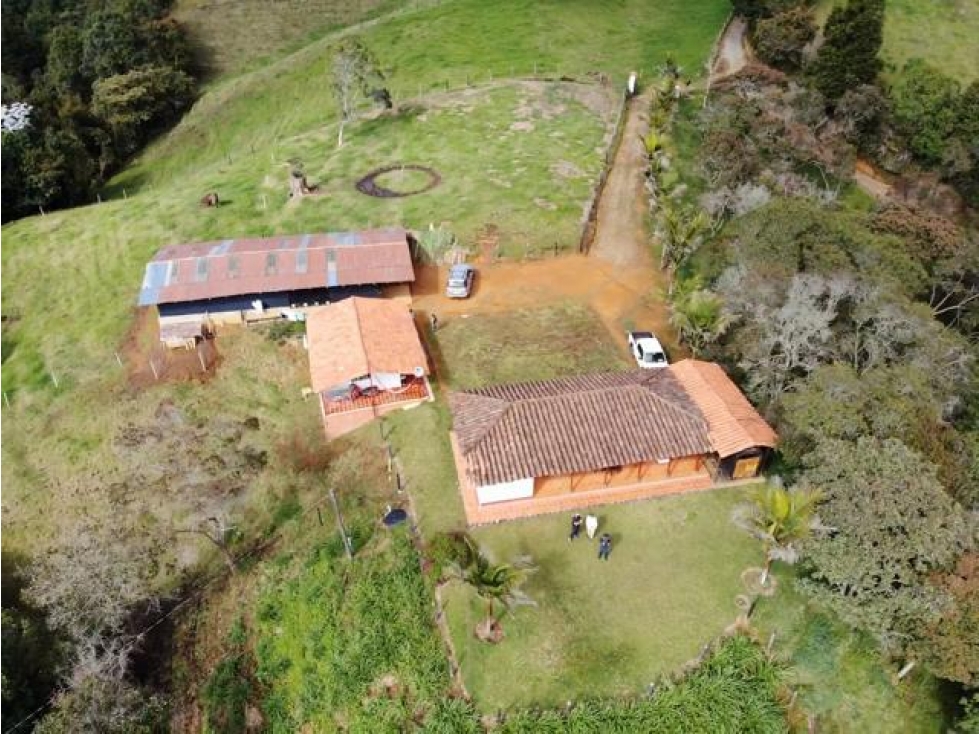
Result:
205,270
594,422
578,424
360,336
733,423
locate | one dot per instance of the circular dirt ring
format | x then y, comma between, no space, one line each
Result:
369,184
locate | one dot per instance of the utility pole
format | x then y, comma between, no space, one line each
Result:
343,531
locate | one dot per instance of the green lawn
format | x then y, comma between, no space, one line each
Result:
942,32
234,36
606,628
531,344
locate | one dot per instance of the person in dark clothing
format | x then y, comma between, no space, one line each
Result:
604,546
576,523
435,323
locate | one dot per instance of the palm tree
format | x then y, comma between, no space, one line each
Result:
499,582
679,235
780,518
699,317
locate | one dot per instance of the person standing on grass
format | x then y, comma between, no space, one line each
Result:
604,546
591,526
435,322
575,527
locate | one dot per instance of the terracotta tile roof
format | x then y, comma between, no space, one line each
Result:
577,424
237,267
733,423
359,336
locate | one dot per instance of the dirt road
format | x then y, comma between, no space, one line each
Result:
733,54
620,235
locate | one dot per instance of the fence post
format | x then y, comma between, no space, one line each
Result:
343,531
118,358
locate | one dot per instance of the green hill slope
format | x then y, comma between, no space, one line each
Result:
519,154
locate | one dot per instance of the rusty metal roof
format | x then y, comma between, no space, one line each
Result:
236,267
361,336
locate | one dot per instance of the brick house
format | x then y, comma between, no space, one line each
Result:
365,359
530,448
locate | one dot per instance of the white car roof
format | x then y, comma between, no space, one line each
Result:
650,344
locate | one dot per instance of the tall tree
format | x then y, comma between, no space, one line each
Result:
493,582
355,74
781,39
848,57
894,526
924,106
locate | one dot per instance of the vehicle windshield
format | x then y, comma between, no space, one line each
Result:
654,357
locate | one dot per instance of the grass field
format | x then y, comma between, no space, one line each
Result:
518,154
235,36
606,628
942,32
531,344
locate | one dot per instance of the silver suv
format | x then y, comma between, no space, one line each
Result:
461,279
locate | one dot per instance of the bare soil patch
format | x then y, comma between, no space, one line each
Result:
148,362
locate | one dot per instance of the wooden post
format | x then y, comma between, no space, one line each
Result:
319,514
118,358
343,531
156,375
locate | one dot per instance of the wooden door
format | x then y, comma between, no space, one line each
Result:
745,468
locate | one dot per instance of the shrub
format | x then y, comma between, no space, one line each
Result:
780,40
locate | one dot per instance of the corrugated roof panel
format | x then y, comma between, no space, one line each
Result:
221,249
242,266
346,238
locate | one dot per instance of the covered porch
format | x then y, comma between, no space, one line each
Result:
554,494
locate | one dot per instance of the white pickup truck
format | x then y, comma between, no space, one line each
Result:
647,350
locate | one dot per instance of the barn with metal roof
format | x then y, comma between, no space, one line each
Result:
235,279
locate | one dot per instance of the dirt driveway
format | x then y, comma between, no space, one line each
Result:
618,279
622,296
620,235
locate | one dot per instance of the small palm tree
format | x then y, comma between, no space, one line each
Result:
679,233
499,582
699,317
780,518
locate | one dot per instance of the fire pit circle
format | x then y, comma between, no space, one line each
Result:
369,184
